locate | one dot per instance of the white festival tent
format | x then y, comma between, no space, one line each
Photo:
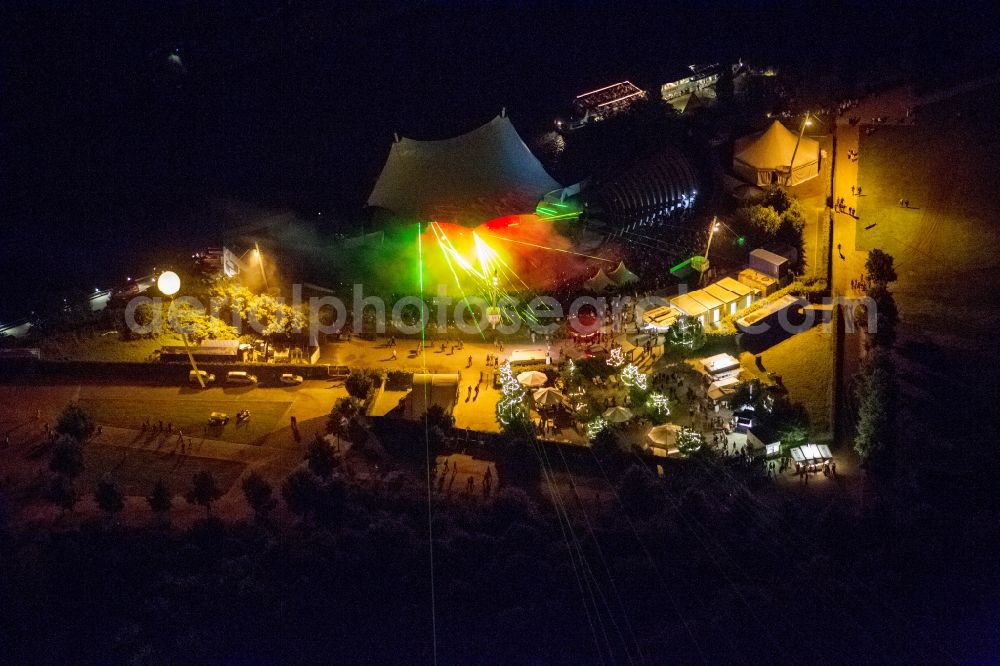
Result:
762,159
617,414
486,173
548,397
532,379
664,436
622,276
599,282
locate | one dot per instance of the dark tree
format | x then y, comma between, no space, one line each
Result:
344,410
109,497
358,433
204,491
876,427
607,445
748,394
320,458
777,198
259,495
518,461
636,491
880,267
886,316
145,316
359,384
159,499
437,417
300,490
67,457
790,422
75,422
62,493
725,88
330,501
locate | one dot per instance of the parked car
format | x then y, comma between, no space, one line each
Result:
240,377
288,379
218,418
206,377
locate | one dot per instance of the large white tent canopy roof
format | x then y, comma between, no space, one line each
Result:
471,178
773,149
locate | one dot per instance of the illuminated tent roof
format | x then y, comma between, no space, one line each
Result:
687,103
599,282
758,157
622,275
663,436
483,174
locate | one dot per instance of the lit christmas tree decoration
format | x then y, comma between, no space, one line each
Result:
689,441
632,377
617,358
660,403
511,402
596,426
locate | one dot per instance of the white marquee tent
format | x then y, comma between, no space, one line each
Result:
762,159
622,275
471,178
599,282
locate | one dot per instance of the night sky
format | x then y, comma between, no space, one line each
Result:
115,156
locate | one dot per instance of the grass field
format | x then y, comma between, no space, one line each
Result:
136,470
83,346
189,415
805,364
947,252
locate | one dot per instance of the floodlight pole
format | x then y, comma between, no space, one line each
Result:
169,288
802,130
194,366
711,235
187,349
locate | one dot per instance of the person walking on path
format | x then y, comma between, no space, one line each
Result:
852,189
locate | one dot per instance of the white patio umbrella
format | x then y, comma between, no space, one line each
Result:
664,435
617,415
548,397
532,379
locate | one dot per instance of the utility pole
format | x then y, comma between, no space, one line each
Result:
711,235
805,121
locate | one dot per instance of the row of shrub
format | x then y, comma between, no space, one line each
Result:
398,380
